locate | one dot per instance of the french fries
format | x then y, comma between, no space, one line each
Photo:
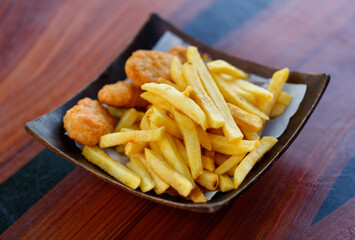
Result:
256,90
137,167
203,138
276,84
214,117
192,144
220,144
266,143
179,101
236,99
201,130
167,173
116,112
208,163
159,118
176,73
173,157
230,128
113,139
128,119
160,186
98,157
229,164
225,183
208,180
245,120
221,66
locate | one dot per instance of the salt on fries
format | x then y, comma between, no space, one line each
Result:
201,130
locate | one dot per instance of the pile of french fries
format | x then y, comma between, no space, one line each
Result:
201,129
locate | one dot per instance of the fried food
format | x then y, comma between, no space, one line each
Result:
122,94
146,66
87,121
180,52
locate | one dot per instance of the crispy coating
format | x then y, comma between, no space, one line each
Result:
180,52
87,121
122,94
147,66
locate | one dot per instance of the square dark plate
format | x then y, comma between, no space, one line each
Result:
48,129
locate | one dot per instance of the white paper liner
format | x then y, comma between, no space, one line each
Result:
274,127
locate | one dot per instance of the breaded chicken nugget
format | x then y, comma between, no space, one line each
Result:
87,121
147,66
122,94
180,52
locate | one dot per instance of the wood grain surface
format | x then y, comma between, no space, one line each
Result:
50,49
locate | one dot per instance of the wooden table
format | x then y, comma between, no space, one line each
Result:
49,49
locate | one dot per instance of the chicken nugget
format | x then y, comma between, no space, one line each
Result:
147,66
122,94
87,121
180,52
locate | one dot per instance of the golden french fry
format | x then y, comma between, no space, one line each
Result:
98,157
165,81
132,128
221,66
276,84
209,154
250,135
113,139
197,195
133,147
156,100
128,119
171,154
225,183
116,112
203,138
192,144
176,73
208,163
137,167
230,128
160,186
230,163
145,124
220,158
214,117
250,97
256,90
245,120
188,91
220,144
284,98
217,131
244,167
208,180
181,148
231,96
277,110
159,118
179,101
167,173
120,148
